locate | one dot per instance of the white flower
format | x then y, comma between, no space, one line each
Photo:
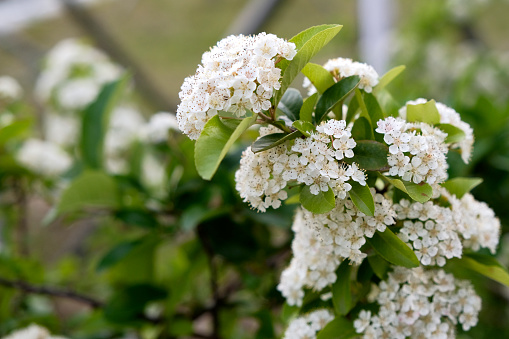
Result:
32,332
9,89
43,157
156,129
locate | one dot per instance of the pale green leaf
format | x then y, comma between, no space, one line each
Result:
426,112
308,107
485,265
388,77
362,198
393,249
319,77
419,192
460,186
323,202
339,328
304,127
454,134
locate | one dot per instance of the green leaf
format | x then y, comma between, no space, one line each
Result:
294,199
379,266
421,192
393,249
215,141
307,109
96,120
117,254
362,198
353,107
16,129
426,112
137,217
362,130
341,289
339,328
485,265
371,155
323,202
127,304
291,103
374,109
388,77
319,77
91,189
289,312
454,134
308,43
335,94
304,127
272,140
460,186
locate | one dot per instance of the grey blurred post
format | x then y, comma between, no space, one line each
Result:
376,18
253,16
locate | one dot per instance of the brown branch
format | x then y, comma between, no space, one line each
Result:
51,291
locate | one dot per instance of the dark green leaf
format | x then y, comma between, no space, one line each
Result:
215,141
362,130
460,186
393,249
272,140
307,109
454,134
362,198
371,155
308,43
426,112
137,217
388,77
304,127
319,77
323,202
339,328
335,94
116,254
485,265
341,289
96,120
291,103
353,107
91,189
379,266
374,109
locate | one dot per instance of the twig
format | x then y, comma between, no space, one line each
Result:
51,291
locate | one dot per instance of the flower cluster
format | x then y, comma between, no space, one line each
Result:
10,90
306,326
323,241
315,161
44,158
236,75
73,75
417,151
449,116
344,67
32,332
157,128
418,303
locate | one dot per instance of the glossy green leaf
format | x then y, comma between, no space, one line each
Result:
388,77
272,140
308,43
460,186
339,328
333,95
426,112
454,134
362,198
319,77
137,217
304,127
215,141
16,129
117,254
353,108
485,265
393,249
291,103
362,130
371,155
323,202
341,289
96,120
374,109
92,189
379,265
294,199
307,109
419,192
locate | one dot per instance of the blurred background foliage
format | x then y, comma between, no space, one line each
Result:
187,258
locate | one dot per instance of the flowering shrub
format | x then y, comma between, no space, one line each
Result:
378,213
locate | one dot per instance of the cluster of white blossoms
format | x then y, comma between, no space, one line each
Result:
419,303
236,75
306,326
73,75
10,89
323,241
449,116
315,161
417,151
32,332
344,67
157,128
44,158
